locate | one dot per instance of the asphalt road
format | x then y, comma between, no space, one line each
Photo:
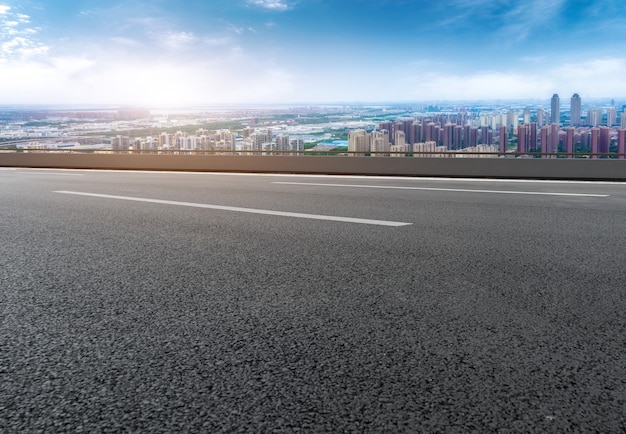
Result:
172,302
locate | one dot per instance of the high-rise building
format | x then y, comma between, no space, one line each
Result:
512,120
416,127
555,109
621,142
504,135
486,135
554,137
595,141
283,143
545,139
408,130
605,140
522,138
358,142
387,126
594,117
473,137
420,149
164,140
400,138
532,144
380,143
296,145
622,122
540,117
458,137
611,116
569,141
575,111
429,131
448,135
399,150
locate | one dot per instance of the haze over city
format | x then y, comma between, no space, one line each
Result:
165,53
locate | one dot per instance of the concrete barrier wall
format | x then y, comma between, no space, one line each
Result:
447,167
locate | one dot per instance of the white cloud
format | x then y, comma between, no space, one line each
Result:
525,17
177,40
16,40
596,77
118,77
593,78
127,42
216,41
239,77
512,21
235,29
275,5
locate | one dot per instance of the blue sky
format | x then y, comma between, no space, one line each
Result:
200,52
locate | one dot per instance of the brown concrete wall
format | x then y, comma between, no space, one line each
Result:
448,167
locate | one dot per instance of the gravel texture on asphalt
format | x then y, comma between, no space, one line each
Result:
488,314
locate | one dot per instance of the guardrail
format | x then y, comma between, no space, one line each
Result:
517,166
424,154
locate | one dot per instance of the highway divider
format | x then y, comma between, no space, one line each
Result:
525,168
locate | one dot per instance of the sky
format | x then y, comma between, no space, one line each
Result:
162,53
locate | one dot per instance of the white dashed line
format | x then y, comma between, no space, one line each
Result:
50,173
246,210
461,190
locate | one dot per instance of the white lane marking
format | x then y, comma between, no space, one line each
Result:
50,173
246,210
390,178
462,190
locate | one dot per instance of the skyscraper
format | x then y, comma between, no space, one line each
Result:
554,138
522,138
621,142
503,138
486,135
540,119
400,138
545,135
555,109
575,111
532,136
358,142
283,143
595,141
569,141
605,140
594,117
380,142
611,116
387,126
448,135
512,120
473,137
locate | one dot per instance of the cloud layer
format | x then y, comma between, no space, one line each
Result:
271,51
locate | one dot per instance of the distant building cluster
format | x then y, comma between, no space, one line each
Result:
598,132
569,129
421,138
252,141
532,131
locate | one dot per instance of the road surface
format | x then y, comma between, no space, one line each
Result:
198,302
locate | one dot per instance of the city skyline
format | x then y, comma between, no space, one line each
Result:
286,51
